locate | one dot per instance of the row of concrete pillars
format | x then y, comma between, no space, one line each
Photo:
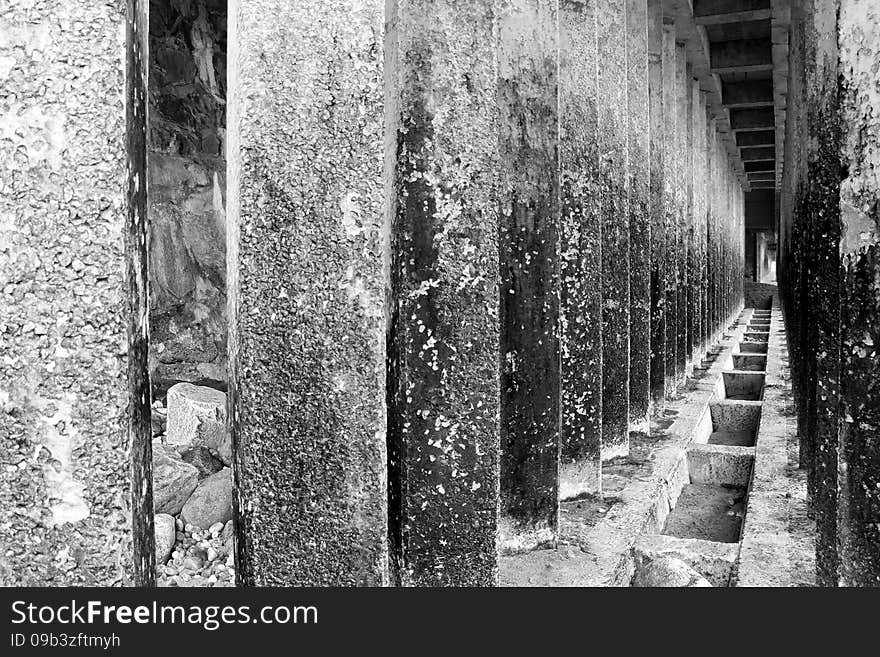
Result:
471,247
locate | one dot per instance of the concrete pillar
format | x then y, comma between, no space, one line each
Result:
708,245
690,237
657,208
613,167
681,194
307,279
671,169
529,200
639,214
694,300
74,401
858,515
701,171
581,254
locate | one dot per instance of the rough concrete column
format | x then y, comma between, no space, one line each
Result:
859,451
474,351
305,245
682,87
72,275
690,236
639,138
657,208
717,233
613,166
695,292
581,253
529,198
709,241
701,171
671,169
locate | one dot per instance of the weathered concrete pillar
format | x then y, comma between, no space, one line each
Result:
529,199
74,400
671,169
657,208
695,292
639,131
709,242
701,170
307,279
580,252
718,235
690,242
681,194
859,450
613,167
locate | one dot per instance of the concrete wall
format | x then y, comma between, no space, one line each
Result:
187,180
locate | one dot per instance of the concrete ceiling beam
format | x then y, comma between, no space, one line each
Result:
756,138
759,154
760,176
753,119
719,12
755,167
742,56
753,93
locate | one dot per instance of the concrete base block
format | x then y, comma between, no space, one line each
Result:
713,561
724,465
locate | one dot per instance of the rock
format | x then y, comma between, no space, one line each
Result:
215,529
197,418
669,572
228,531
173,483
211,501
165,536
193,563
202,459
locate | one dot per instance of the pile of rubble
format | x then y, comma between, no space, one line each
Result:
192,488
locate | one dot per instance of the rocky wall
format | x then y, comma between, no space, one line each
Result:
187,181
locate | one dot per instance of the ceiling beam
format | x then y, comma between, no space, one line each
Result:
758,154
757,138
753,119
753,167
718,12
742,56
757,176
753,93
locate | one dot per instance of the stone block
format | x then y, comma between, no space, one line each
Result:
173,482
211,501
164,529
197,418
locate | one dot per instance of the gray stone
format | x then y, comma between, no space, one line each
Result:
211,501
197,418
164,529
173,483
669,572
202,459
